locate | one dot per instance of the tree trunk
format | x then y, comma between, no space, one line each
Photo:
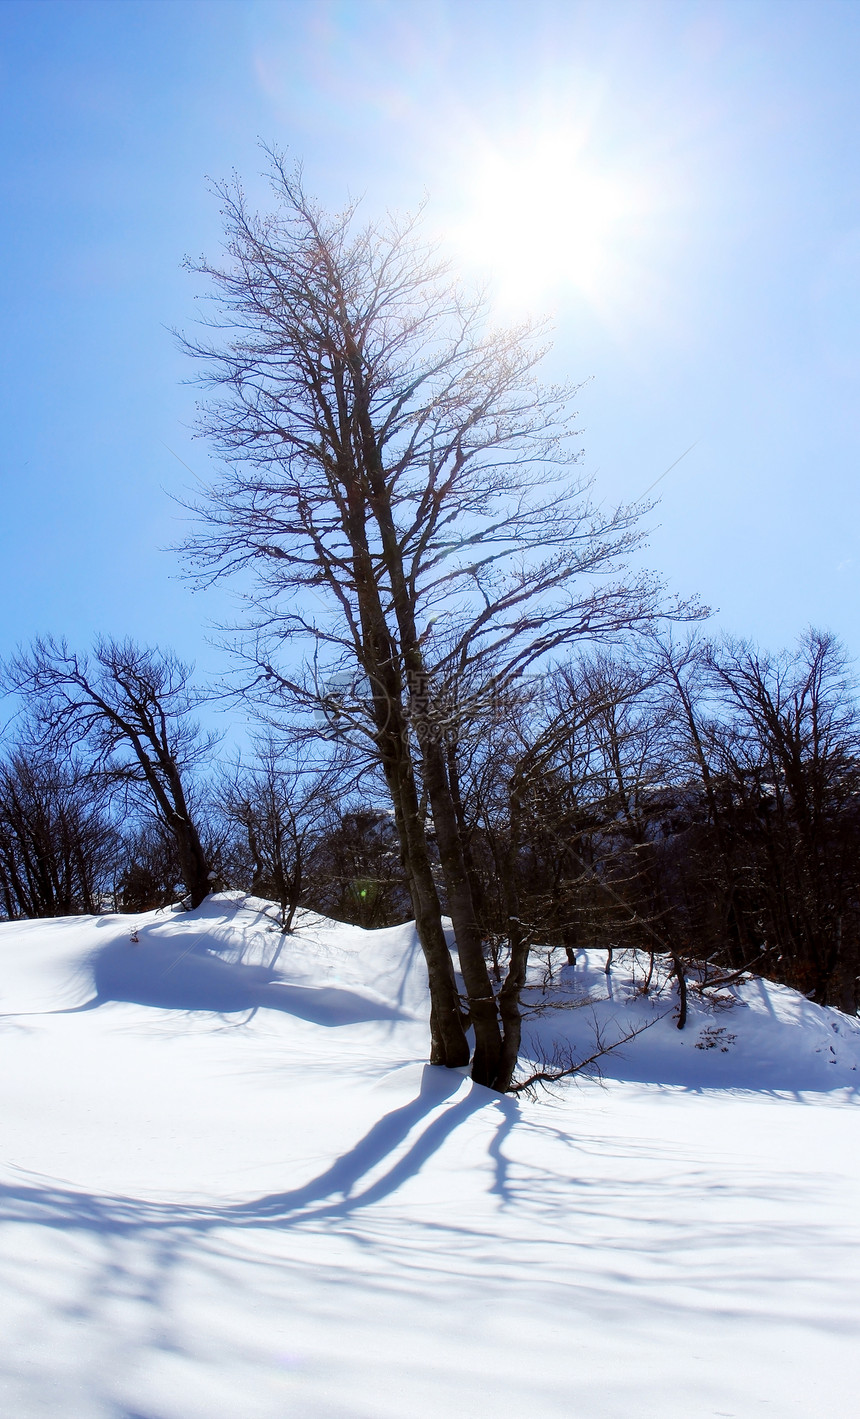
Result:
509,999
192,859
682,989
476,977
482,1005
448,1043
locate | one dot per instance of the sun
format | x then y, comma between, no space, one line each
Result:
539,216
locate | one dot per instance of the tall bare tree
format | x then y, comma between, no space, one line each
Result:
401,488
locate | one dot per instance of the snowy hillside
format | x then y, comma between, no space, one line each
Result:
233,1190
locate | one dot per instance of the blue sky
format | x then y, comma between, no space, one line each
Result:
674,184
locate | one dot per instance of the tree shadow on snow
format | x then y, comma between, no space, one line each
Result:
336,1191
135,1247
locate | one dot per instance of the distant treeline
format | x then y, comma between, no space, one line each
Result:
699,799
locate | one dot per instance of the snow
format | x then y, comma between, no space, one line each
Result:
236,1192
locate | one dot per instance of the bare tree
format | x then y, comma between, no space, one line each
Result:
59,848
400,487
150,876
284,806
128,709
791,774
355,871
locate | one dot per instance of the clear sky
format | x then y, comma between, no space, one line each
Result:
675,184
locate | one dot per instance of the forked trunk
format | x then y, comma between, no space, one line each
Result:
448,1043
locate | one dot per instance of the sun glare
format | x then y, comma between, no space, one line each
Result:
539,218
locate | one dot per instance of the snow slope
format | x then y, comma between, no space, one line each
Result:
234,1191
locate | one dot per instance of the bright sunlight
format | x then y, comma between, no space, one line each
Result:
540,217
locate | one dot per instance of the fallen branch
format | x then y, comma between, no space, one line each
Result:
567,1066
726,980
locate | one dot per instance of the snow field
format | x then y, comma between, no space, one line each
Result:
279,1212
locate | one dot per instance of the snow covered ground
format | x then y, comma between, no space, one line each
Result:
234,1196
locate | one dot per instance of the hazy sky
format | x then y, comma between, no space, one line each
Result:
675,184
